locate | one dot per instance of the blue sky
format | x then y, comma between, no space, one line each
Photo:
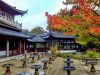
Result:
36,11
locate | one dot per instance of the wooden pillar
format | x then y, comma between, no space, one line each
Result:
24,47
27,47
20,47
66,44
75,46
70,44
45,46
36,50
7,48
13,49
63,44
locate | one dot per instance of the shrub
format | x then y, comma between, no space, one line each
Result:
89,54
53,49
77,56
92,54
64,55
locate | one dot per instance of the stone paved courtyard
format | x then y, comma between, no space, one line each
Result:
56,68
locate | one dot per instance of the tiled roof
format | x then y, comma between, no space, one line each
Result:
37,38
8,32
43,37
58,35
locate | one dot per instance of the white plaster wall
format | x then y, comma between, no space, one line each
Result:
2,53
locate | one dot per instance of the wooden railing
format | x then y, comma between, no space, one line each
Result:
10,22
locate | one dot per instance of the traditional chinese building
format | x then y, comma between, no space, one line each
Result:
12,39
42,42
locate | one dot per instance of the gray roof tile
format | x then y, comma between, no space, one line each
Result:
8,32
37,38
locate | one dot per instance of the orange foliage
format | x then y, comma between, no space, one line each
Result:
55,22
95,30
89,21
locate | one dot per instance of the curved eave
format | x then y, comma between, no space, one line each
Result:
20,12
11,9
8,32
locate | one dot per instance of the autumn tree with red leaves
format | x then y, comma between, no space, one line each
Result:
82,20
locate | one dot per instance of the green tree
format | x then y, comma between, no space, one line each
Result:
38,30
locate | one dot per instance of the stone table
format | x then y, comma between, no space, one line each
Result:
36,67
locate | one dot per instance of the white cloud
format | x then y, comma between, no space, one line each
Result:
33,21
57,7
